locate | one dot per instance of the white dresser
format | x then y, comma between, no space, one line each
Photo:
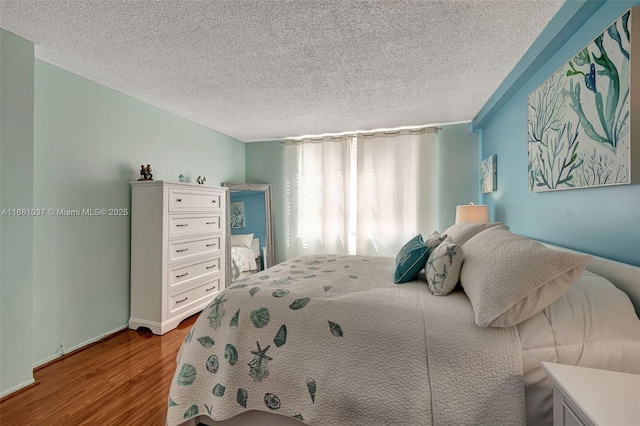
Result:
177,251
590,397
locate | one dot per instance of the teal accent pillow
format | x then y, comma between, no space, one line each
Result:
413,256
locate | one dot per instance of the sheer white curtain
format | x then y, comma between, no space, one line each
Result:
317,210
370,200
396,188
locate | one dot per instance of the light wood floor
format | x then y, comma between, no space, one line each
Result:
123,380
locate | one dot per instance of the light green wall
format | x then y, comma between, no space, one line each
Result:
89,143
16,191
458,176
265,164
458,171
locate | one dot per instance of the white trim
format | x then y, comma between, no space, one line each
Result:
79,346
17,387
160,328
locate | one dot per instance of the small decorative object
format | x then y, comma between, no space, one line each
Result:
237,214
201,180
145,172
181,178
579,120
489,174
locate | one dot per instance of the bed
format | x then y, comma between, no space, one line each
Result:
245,256
331,340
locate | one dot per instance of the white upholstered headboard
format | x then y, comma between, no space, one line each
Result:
625,277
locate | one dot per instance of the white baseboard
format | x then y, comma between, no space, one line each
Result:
16,388
76,347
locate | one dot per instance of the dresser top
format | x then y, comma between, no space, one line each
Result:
606,397
177,184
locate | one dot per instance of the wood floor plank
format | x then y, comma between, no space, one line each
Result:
122,380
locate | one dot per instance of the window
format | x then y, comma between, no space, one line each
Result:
359,195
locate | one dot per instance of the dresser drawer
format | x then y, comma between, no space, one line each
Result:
182,226
182,250
194,296
184,200
185,273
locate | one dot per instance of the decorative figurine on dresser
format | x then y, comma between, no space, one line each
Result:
145,172
178,246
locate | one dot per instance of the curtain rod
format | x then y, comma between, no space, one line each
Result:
364,135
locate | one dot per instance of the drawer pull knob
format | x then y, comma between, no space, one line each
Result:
183,300
183,275
180,251
212,266
209,289
214,201
211,223
178,200
182,224
210,245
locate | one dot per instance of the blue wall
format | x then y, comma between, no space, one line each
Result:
602,221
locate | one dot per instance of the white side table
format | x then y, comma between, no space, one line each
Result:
587,396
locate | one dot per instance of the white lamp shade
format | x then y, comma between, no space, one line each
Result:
472,213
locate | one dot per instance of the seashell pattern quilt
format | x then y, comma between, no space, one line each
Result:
330,340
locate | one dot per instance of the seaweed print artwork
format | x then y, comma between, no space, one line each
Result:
578,119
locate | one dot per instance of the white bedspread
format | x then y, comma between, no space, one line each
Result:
332,341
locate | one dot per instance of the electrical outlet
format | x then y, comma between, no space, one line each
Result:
62,347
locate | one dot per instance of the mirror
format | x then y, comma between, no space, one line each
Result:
249,235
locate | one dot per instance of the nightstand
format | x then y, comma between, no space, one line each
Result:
587,396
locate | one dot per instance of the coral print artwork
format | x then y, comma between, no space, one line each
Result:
579,119
237,215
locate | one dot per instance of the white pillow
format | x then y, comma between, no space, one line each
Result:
241,240
589,325
509,278
592,325
443,267
460,233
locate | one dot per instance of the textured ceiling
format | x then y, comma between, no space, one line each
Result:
262,70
